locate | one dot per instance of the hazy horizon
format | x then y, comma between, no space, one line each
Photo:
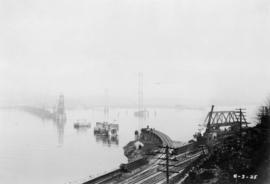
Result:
190,52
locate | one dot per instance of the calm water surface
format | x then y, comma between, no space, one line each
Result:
33,150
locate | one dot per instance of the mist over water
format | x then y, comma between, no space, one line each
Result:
190,52
34,150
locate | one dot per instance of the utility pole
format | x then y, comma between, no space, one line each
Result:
167,163
242,120
240,112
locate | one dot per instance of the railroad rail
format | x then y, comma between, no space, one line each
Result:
153,176
106,177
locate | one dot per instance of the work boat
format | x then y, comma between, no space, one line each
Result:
82,124
106,129
142,113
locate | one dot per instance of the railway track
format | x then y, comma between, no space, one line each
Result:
105,178
140,177
149,174
153,176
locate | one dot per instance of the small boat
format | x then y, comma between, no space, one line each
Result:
141,113
82,124
107,129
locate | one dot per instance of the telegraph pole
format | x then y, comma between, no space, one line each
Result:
167,163
240,111
242,120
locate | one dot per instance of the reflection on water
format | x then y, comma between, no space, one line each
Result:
106,140
60,126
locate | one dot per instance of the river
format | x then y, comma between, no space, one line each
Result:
34,150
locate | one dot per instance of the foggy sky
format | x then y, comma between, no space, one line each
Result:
203,51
